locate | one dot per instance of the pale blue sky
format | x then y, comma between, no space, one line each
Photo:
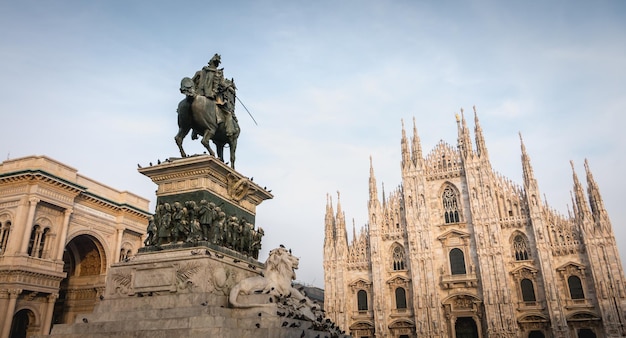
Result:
95,85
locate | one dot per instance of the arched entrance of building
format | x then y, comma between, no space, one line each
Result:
85,263
22,321
586,333
536,334
465,327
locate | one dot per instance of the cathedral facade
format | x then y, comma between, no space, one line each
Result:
59,233
459,251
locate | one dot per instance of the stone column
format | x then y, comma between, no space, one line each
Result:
64,230
29,224
118,245
47,317
8,317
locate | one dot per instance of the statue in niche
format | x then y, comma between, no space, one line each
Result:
208,110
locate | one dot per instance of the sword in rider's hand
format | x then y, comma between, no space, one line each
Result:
244,107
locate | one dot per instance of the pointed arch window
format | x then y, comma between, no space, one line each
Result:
398,258
450,205
457,262
400,298
361,300
520,248
528,290
575,287
5,230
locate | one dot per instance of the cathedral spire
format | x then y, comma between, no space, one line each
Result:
595,199
416,147
341,232
481,147
373,190
329,222
384,197
581,202
406,156
464,141
527,169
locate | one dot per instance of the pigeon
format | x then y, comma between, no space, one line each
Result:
284,323
87,321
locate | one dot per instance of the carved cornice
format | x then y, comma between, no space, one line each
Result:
205,172
30,279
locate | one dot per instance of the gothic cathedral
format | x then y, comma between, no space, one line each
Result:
459,251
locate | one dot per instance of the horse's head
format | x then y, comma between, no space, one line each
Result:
187,87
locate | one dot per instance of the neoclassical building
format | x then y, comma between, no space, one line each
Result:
59,233
458,250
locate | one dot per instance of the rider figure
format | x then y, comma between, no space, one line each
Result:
210,83
204,79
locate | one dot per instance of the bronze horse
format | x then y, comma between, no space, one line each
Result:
198,113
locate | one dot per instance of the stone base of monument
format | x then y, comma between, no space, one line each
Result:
184,293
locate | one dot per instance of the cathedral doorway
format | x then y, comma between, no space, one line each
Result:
465,327
536,334
586,333
21,322
85,264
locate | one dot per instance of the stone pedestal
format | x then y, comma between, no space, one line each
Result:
184,293
201,177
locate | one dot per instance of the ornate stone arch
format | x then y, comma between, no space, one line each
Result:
34,313
25,321
362,329
6,222
361,285
584,319
577,270
455,240
462,304
100,242
402,327
521,277
41,237
126,251
399,282
533,321
520,246
6,215
96,239
398,257
451,200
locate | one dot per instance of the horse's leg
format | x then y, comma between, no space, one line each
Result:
206,139
220,150
233,148
182,132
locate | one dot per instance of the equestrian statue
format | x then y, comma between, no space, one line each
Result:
208,110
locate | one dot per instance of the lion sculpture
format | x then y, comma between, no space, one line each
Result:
275,281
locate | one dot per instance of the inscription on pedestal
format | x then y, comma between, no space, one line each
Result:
157,279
